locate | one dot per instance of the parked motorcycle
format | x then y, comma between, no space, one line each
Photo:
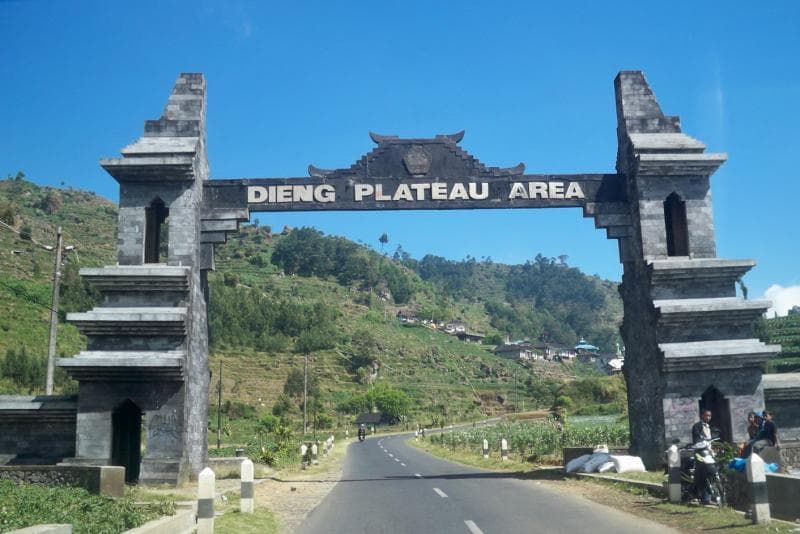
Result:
700,474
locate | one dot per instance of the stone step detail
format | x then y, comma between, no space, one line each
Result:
139,321
722,354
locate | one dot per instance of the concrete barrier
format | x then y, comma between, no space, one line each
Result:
783,491
182,522
43,529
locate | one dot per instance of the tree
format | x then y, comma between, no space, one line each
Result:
384,238
294,384
26,232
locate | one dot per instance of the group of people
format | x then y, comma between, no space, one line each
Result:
761,430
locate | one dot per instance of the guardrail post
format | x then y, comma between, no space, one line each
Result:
485,449
758,480
205,501
314,452
674,476
504,449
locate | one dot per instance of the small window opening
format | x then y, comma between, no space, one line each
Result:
156,238
677,229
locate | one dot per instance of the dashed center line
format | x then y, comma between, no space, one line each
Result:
397,459
441,494
391,455
401,463
417,475
473,527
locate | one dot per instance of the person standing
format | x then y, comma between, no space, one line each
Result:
701,430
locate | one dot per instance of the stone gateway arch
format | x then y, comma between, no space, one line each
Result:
688,338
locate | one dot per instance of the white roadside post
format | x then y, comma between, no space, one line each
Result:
758,480
674,480
205,501
314,452
504,449
303,454
485,449
246,504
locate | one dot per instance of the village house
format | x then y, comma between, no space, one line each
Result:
470,337
455,327
517,351
407,317
554,353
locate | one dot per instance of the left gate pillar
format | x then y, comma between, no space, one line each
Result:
148,336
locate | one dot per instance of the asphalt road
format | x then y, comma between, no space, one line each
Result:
389,486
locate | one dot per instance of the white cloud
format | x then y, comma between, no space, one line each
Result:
783,298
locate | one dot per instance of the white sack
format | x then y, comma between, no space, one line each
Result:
624,464
608,466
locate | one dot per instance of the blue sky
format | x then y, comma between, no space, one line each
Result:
293,83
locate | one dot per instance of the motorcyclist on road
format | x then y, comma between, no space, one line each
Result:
362,431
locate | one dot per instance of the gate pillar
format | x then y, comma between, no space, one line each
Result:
685,329
148,336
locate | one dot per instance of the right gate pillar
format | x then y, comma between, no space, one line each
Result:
689,339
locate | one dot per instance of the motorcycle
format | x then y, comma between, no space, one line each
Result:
700,477
362,435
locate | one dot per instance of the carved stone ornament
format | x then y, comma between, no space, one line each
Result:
417,161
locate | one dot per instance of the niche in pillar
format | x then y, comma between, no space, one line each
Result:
156,234
715,401
675,223
126,448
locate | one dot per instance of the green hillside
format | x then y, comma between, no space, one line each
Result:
786,332
277,297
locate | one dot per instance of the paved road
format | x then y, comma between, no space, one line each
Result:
389,486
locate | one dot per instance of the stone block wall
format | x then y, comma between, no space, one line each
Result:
36,430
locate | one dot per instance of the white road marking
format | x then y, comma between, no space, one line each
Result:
417,475
397,459
441,494
391,455
473,527
401,463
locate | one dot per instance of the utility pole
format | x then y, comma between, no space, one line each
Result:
305,394
516,393
219,403
51,349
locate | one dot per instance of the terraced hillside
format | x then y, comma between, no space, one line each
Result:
277,297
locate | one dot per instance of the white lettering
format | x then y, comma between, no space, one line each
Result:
475,195
438,191
459,192
284,193
517,191
556,189
379,193
256,194
420,189
302,193
537,190
325,193
402,193
363,190
574,191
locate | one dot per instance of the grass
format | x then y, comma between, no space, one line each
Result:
261,521
23,505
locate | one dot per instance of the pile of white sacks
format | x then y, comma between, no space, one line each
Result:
600,462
